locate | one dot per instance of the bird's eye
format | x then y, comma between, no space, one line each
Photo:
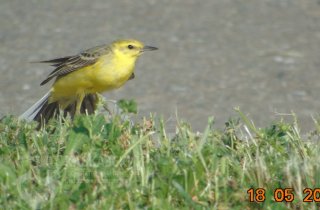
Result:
130,46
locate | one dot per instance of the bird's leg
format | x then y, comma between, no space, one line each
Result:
79,103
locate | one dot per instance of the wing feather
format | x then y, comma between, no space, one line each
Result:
69,64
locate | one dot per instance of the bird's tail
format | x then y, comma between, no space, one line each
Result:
33,111
42,111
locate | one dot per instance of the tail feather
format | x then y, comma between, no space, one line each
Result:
31,113
42,111
47,112
89,104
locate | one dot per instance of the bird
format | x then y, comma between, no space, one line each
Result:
78,79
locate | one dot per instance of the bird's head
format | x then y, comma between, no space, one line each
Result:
130,48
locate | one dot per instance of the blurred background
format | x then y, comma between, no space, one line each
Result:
262,56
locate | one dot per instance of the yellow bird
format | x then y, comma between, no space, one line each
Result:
80,77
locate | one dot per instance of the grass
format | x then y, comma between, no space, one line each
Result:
96,162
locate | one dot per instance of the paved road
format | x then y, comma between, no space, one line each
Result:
263,56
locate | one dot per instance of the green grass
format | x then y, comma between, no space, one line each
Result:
96,162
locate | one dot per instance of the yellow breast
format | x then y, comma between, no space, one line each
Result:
106,74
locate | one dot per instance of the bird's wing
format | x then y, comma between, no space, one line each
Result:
66,65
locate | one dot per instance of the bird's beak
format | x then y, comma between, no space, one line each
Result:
148,48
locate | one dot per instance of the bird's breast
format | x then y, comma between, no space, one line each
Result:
111,75
104,75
